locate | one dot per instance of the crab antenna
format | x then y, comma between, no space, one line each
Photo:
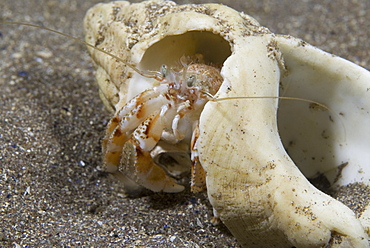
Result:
156,76
283,98
272,97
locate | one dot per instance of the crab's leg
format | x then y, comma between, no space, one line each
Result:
112,145
198,174
138,165
125,121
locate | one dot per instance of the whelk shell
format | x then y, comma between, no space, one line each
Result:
247,146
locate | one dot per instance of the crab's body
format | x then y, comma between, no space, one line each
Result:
167,112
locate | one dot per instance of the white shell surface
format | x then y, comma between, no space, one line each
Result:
267,195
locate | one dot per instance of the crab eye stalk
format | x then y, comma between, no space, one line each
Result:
190,81
164,70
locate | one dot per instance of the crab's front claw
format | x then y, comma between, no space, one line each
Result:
140,167
253,185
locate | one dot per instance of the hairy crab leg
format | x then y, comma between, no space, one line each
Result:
198,174
137,161
143,171
125,121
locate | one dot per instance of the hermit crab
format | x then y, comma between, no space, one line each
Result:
168,112
230,94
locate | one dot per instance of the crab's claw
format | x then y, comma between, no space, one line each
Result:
139,165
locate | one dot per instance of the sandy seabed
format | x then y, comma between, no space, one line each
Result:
52,122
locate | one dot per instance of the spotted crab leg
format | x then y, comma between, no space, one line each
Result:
125,121
198,174
137,161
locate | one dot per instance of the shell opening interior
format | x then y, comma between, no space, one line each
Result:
308,135
326,144
170,49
